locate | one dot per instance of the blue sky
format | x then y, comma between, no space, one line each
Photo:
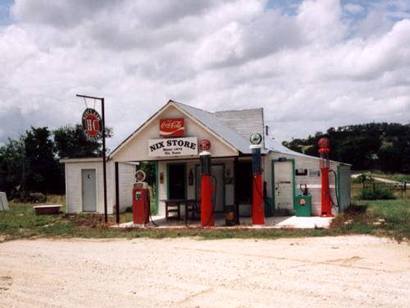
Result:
310,64
5,11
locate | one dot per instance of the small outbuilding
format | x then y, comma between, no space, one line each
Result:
168,142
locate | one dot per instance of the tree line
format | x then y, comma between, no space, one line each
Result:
372,146
30,163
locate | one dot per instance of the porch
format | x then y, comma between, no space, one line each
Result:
275,222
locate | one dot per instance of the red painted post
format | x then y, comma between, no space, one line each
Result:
207,213
207,209
258,211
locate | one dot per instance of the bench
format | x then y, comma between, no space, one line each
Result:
47,209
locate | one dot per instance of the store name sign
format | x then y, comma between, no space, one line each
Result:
173,147
172,127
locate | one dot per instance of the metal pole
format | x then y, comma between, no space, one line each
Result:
117,194
101,99
104,160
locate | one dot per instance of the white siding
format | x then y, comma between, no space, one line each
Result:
137,148
74,185
314,182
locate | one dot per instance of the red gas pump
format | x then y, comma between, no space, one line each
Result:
140,200
207,208
324,150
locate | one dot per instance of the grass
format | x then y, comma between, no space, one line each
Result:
377,217
390,176
383,218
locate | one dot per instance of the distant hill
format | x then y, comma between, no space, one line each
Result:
381,146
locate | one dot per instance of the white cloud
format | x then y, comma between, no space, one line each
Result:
310,71
353,8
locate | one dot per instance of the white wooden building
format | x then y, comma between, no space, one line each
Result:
177,167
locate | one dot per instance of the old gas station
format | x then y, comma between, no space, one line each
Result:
210,168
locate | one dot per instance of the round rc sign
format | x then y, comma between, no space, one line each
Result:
91,121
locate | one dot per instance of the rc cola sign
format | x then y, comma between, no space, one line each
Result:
173,147
91,121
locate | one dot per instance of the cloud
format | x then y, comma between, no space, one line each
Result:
310,69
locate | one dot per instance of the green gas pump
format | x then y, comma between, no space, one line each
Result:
303,203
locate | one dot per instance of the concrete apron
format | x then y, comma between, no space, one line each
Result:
286,222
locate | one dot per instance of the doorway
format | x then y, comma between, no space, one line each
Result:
177,181
283,184
88,185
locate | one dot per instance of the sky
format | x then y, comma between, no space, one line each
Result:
310,64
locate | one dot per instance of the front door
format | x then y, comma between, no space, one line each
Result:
176,181
283,185
88,183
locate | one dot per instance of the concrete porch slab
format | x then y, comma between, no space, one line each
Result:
285,222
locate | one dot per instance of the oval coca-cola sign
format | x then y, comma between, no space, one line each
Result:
171,127
91,121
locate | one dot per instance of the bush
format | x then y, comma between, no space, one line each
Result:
376,193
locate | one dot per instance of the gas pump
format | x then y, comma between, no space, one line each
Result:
324,150
140,200
258,211
207,208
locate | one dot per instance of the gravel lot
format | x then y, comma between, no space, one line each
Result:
328,271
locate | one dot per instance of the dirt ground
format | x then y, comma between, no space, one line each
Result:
310,272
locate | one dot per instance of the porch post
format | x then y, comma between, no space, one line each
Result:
117,194
235,191
207,211
258,213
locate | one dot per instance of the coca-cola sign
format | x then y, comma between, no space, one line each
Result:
171,127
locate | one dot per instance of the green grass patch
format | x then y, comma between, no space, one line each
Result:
383,217
378,217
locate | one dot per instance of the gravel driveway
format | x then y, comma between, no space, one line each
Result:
327,271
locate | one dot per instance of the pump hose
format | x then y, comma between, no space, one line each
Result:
149,212
336,191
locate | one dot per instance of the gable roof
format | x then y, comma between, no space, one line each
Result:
208,120
245,122
215,124
232,127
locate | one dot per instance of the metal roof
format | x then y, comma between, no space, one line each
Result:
246,122
218,127
232,126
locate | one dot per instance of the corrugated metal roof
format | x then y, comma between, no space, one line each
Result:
246,122
272,144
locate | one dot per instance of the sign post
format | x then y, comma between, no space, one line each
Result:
91,129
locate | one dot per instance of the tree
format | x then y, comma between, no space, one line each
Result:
43,171
384,146
70,142
12,166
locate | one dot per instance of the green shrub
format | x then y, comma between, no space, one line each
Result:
376,193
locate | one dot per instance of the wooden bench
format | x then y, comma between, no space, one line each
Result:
47,209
